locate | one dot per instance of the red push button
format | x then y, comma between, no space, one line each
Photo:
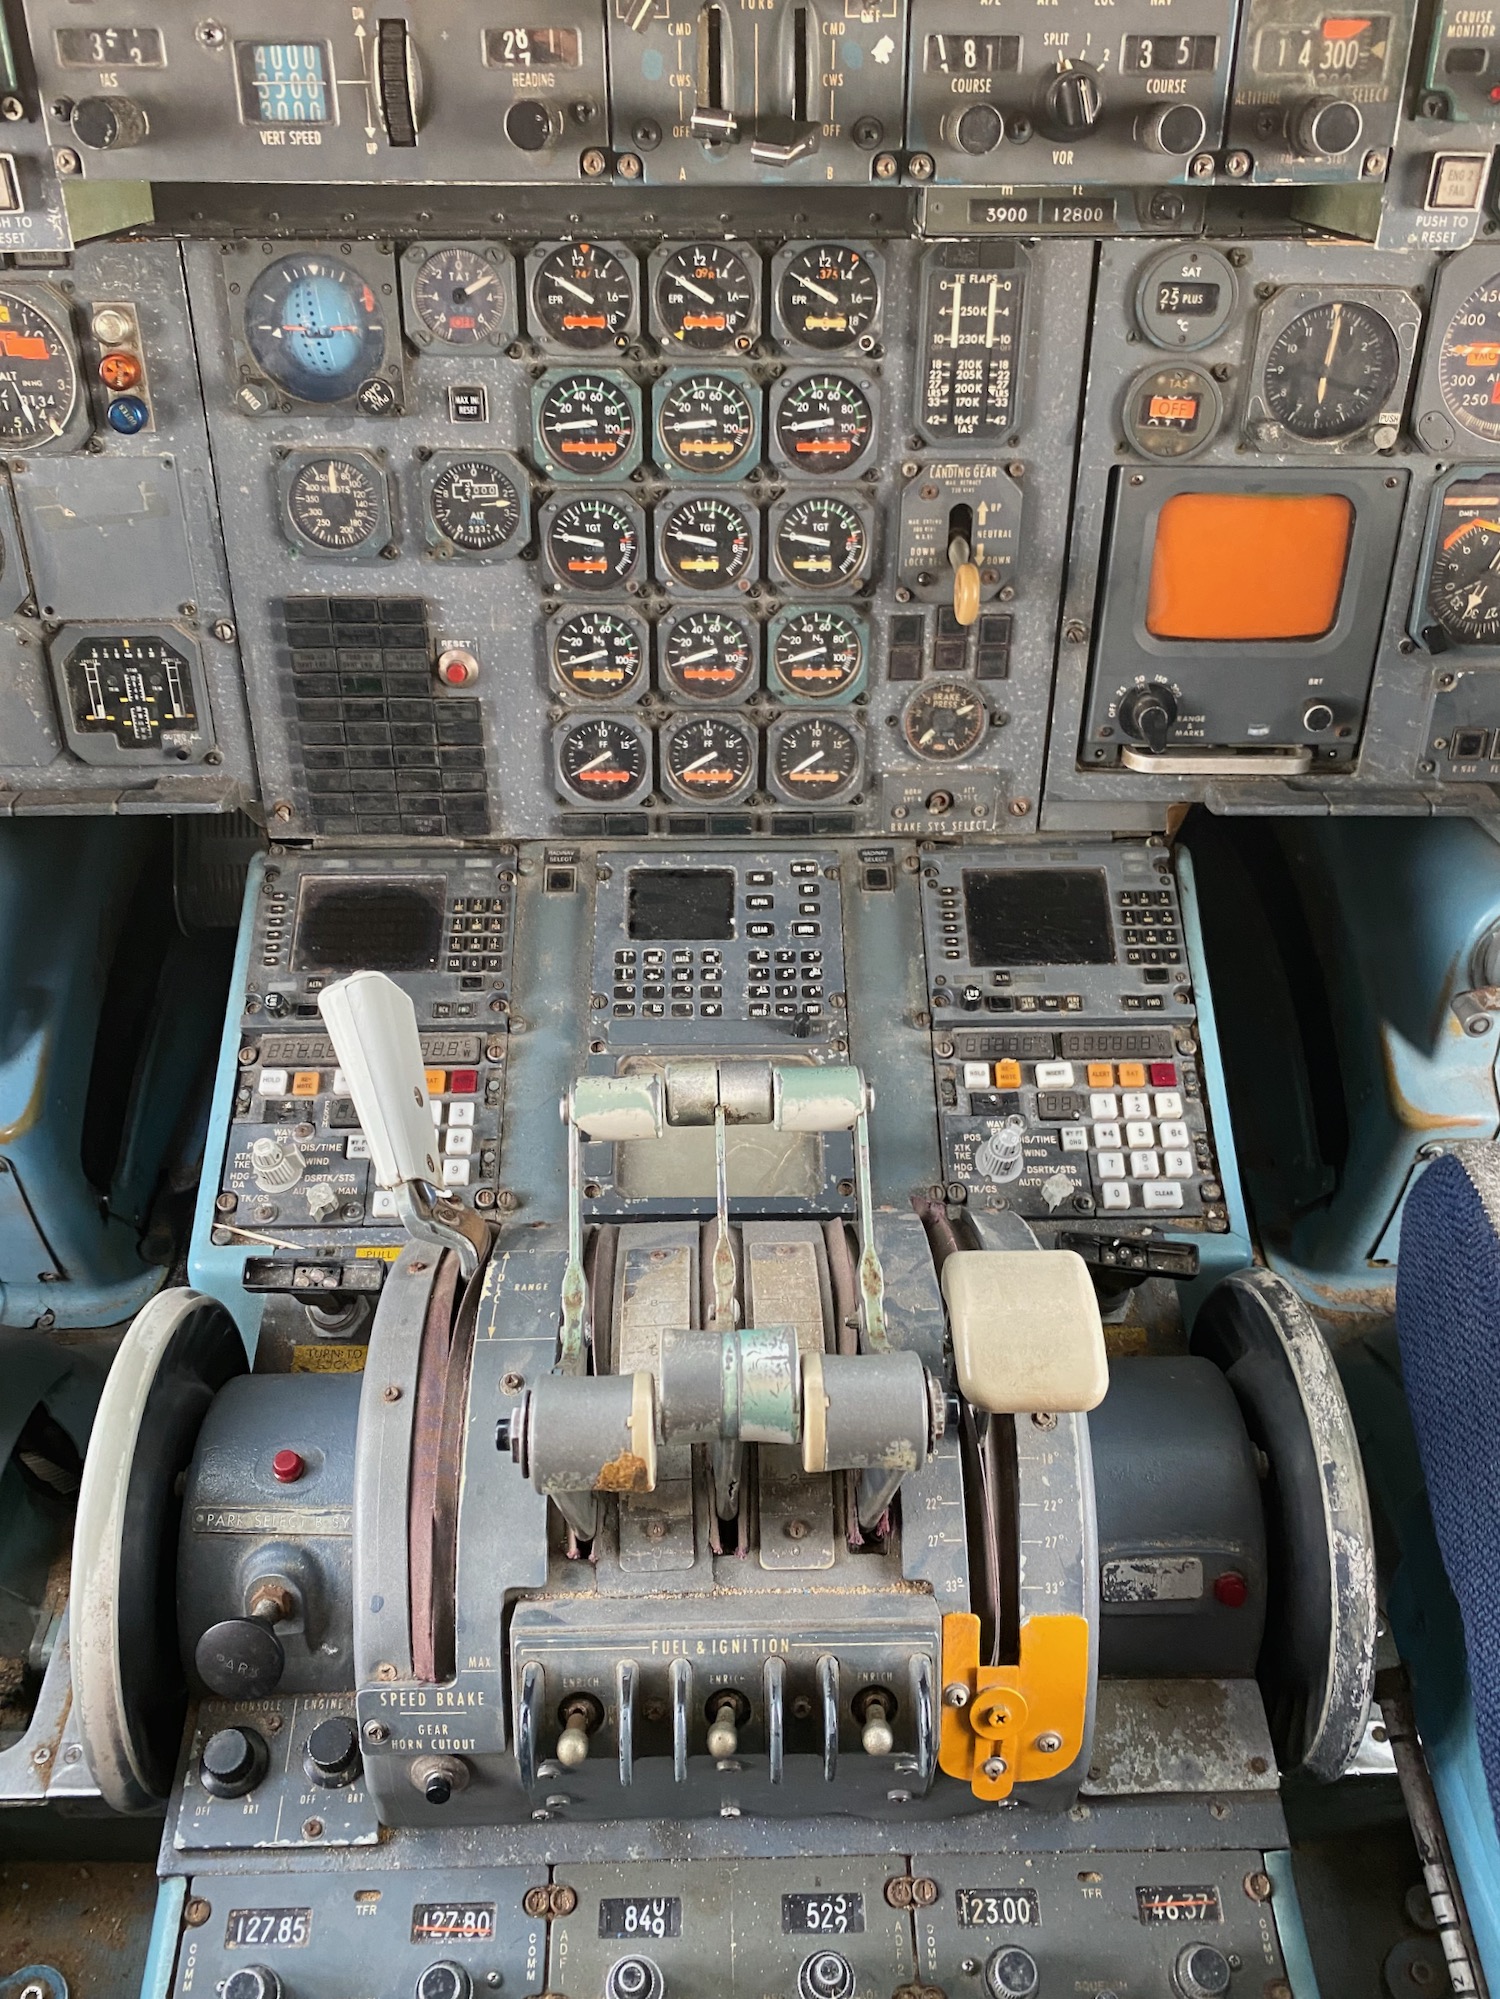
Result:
1164,1075
463,1082
287,1467
1232,1590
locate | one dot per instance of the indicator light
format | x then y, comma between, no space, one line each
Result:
1232,1590
111,326
127,414
457,667
119,371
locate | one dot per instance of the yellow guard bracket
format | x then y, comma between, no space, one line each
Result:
1014,1714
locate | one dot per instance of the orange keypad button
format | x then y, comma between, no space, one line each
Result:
304,1083
1132,1075
1101,1075
1007,1075
437,1082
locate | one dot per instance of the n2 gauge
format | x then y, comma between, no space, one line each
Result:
708,654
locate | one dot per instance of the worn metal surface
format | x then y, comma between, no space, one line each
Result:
1166,1737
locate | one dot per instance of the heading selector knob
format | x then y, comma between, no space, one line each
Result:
1327,125
1148,713
1071,103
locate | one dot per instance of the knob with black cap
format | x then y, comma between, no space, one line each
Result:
1011,1973
977,129
1326,126
443,1980
1148,714
332,1758
232,1762
1317,718
251,1981
1176,129
1071,103
1201,1972
241,1658
533,126
827,1974
109,124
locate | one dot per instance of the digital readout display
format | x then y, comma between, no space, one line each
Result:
1002,1909
1178,1905
453,1922
109,48
822,1915
369,926
973,55
1168,55
1340,47
284,83
624,1916
263,1929
668,903
1180,300
531,48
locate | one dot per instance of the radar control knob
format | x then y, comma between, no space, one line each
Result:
443,1980
1011,1973
1329,126
1176,129
109,124
1201,1972
251,1981
1148,713
1071,103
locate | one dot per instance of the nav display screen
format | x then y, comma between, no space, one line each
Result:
370,926
1038,916
1249,567
669,903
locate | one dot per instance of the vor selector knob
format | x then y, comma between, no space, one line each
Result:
1327,125
1147,713
109,124
1011,1973
1071,102
1201,1971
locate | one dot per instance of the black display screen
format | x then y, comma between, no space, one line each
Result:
1038,916
370,926
667,903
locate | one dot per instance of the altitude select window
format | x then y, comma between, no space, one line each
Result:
1249,567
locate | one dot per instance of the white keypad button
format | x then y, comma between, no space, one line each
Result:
461,1113
1054,1075
1168,1103
357,1147
1075,1138
1162,1194
1104,1104
273,1083
458,1141
1174,1134
1111,1165
382,1206
455,1172
1144,1166
1177,1165
340,1083
1114,1195
1136,1103
435,1105
1139,1134
1107,1137
976,1075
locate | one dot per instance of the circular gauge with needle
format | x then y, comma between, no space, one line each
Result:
707,654
586,425
1463,589
813,757
38,375
706,541
334,503
598,655
1469,363
474,504
706,424
315,327
944,721
593,541
707,297
583,297
828,296
1332,372
820,542
602,760
460,297
823,424
817,655
708,759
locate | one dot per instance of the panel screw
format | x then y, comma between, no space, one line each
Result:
1050,1743
223,631
885,166
376,1731
11,109
391,1392
197,1912
68,161
955,1694
385,1670
1258,1886
995,1766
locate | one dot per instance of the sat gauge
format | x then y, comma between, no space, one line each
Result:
38,375
1185,298
315,326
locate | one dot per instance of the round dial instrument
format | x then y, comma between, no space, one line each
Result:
708,759
460,297
602,760
706,542
817,655
944,721
829,296
824,423
583,297
708,655
820,542
314,326
38,376
586,424
593,542
706,424
1172,412
1464,591
705,297
1469,363
474,504
335,503
813,757
598,655
1332,371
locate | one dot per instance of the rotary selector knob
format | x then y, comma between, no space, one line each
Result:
233,1762
1329,126
1071,103
333,1752
1011,1973
827,1974
275,1166
444,1980
634,1978
251,1981
533,125
1176,129
1201,1971
1148,713
109,124
977,129
1317,717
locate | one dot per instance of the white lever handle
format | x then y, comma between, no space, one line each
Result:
373,1026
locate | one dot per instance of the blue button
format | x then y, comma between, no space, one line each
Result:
127,414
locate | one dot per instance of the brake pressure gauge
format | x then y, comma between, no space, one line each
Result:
944,721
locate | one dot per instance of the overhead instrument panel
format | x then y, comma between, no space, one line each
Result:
1316,93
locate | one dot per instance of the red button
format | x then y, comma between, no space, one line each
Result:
463,1082
287,1467
1164,1075
1232,1590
